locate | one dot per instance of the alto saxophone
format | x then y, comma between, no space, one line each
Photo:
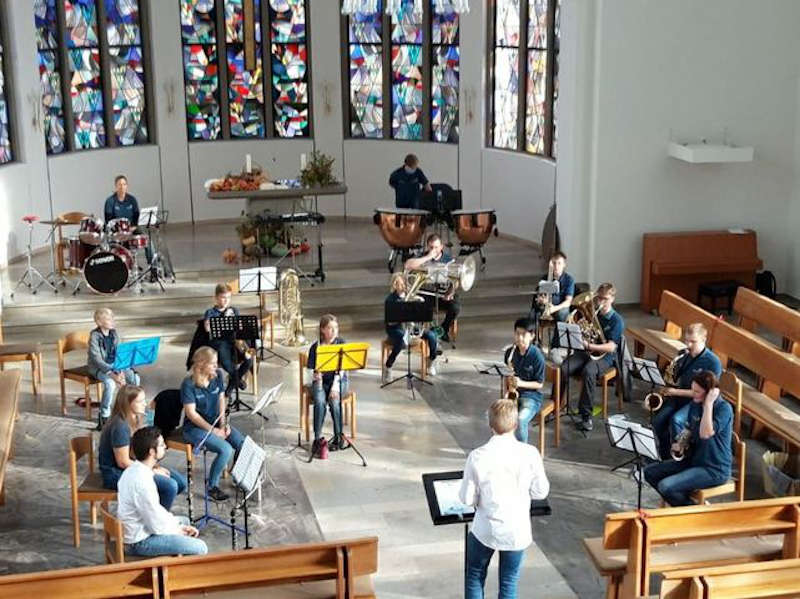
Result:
655,399
511,388
683,441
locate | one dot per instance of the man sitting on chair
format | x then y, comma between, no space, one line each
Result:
559,302
227,349
527,361
671,419
704,446
150,530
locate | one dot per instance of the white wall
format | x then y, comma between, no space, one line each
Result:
793,222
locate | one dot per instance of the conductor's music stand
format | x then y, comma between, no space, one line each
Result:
637,439
338,358
647,371
570,338
260,280
406,313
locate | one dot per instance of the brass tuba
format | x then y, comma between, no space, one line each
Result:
290,309
655,399
458,274
584,315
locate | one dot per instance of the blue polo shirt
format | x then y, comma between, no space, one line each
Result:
529,367
216,312
687,367
127,208
206,399
407,186
612,325
566,286
327,377
116,433
714,453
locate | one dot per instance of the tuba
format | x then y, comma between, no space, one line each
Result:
655,399
457,274
290,308
585,316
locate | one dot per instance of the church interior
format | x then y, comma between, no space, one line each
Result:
465,278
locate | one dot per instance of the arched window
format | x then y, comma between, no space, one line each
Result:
402,73
93,53
236,61
6,153
523,75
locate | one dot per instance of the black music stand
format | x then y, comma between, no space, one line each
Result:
496,369
633,437
260,280
570,338
406,313
232,328
647,371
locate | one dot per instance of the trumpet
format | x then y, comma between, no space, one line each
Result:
683,441
655,399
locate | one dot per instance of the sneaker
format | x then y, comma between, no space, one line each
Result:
587,424
339,442
386,376
242,384
432,368
217,494
101,422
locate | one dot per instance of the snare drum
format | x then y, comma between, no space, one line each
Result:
119,230
91,231
474,227
136,242
401,228
78,252
107,271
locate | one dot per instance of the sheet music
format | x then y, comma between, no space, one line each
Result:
447,497
618,425
247,469
570,336
648,371
249,279
148,216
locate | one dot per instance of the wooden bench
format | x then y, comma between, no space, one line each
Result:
23,352
609,553
9,396
754,310
777,578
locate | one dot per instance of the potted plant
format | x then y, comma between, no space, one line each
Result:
318,171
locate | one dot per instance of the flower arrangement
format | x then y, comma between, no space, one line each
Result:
318,171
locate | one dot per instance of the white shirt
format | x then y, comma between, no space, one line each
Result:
500,479
138,507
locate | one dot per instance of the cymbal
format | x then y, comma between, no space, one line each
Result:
52,222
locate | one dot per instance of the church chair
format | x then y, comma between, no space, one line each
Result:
348,404
90,489
80,374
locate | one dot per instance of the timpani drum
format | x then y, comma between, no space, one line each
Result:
107,270
401,228
473,227
91,230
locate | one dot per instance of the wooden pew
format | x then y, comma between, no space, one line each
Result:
681,261
754,310
677,314
610,554
777,578
9,395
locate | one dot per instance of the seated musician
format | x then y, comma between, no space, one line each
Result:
705,444
121,204
103,342
203,398
441,297
407,182
560,302
670,420
396,331
527,361
113,453
327,388
148,528
580,363
226,348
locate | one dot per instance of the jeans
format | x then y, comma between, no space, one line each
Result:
676,481
224,448
665,419
226,353
168,486
155,545
581,363
451,309
110,389
320,394
529,406
478,558
397,336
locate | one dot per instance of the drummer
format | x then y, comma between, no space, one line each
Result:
407,182
121,204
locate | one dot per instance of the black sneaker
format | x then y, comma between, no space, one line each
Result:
587,424
217,494
242,384
101,422
338,442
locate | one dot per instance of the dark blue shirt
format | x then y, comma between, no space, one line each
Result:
206,400
612,325
407,186
714,453
529,367
687,367
327,377
116,433
216,312
127,208
566,286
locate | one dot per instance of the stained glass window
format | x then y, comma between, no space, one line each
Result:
6,155
523,70
280,62
420,53
88,116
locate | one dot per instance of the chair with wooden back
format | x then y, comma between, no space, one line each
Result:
23,352
65,219
80,374
348,403
90,489
114,538
9,398
552,374
736,484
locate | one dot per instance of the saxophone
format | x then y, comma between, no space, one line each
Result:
683,441
655,399
290,309
511,388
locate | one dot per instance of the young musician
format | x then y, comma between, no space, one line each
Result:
708,457
581,364
407,181
396,331
121,204
561,301
527,361
226,348
148,528
670,420
203,397
325,388
447,299
500,479
103,342
114,449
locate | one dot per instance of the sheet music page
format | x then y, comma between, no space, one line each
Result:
247,469
447,497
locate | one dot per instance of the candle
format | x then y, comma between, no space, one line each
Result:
302,161
248,164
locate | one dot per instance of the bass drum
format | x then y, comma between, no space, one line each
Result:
107,271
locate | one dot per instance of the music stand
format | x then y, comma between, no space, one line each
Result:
495,369
246,478
335,358
549,289
637,439
570,338
406,313
269,397
647,371
136,353
260,280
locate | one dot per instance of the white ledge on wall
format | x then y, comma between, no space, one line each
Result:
710,153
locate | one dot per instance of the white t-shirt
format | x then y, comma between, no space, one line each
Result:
138,507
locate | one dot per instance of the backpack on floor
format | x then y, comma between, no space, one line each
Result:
766,284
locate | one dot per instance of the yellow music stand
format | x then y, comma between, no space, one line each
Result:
336,358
